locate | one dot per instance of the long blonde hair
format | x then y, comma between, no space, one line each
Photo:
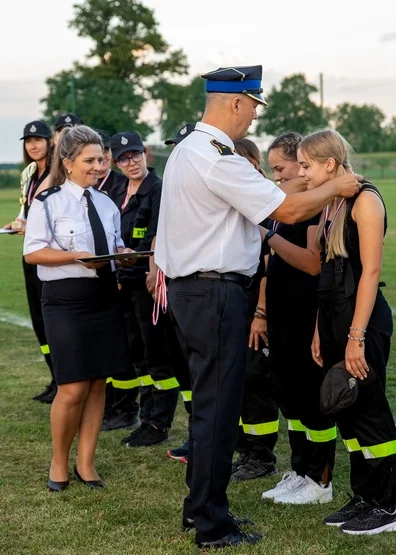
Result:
248,149
321,146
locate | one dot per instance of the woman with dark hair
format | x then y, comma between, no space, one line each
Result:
293,269
81,309
354,326
37,153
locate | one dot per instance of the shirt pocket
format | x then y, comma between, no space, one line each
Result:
70,233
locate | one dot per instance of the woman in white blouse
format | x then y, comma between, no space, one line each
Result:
81,310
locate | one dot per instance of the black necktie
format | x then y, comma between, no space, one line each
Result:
98,232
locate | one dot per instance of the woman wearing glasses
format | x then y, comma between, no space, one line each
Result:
138,198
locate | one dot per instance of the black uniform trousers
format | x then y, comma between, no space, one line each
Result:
291,314
34,287
210,318
258,432
150,356
368,427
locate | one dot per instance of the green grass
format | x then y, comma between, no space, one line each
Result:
139,511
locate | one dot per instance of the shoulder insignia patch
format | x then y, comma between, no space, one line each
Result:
48,192
224,150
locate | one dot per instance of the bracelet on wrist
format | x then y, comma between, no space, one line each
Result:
360,339
260,309
260,316
358,329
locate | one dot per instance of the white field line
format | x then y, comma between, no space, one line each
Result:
14,319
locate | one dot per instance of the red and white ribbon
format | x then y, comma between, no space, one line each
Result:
326,211
161,300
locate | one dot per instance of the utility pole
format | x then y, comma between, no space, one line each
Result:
321,94
73,93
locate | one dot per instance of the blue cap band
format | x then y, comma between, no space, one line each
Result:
233,86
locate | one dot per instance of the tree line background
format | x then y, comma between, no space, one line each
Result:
130,65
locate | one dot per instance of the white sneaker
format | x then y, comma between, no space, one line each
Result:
308,492
289,482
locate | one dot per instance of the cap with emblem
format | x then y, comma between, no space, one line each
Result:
182,133
36,129
67,120
244,80
104,136
339,389
127,141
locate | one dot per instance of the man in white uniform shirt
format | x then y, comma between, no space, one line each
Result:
208,243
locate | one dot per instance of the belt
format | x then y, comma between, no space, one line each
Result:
245,281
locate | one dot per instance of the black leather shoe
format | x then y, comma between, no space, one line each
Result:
188,523
237,537
57,486
94,484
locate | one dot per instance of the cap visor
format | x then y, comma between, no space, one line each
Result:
257,97
127,148
41,135
173,141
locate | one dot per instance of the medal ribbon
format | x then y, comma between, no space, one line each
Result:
104,180
326,211
161,300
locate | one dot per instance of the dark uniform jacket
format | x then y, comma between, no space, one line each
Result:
113,181
139,221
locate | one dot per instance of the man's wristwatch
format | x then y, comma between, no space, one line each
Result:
270,234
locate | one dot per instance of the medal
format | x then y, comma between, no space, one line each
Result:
326,211
272,251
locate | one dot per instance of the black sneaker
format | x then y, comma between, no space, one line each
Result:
373,520
120,420
135,433
149,436
44,393
352,509
242,458
237,537
253,468
180,453
50,395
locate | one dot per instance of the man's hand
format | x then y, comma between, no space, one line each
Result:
127,262
151,279
347,185
258,330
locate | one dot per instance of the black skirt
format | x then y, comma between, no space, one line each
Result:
85,329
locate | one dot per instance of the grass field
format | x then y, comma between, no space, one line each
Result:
139,511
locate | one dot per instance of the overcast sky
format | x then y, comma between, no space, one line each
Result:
353,42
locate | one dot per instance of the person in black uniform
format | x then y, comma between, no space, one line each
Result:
258,431
65,120
138,199
81,308
292,280
208,244
108,178
37,153
355,325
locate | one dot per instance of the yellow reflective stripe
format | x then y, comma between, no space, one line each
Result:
45,349
170,383
109,380
187,396
125,384
139,232
296,426
321,436
240,422
261,429
352,445
146,380
381,450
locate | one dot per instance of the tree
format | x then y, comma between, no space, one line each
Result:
383,162
389,136
360,125
180,104
128,57
290,108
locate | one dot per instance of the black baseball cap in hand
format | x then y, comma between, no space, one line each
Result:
67,120
127,141
36,129
182,133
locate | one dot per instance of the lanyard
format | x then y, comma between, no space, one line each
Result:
326,211
275,225
104,180
32,185
160,296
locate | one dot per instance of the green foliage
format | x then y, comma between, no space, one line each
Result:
9,179
389,136
290,108
129,56
361,126
180,104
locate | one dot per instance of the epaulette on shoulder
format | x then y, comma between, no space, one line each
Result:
48,192
224,150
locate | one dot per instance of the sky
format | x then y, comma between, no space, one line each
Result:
352,42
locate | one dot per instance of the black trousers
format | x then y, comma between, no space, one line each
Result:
34,287
291,313
258,432
368,427
210,318
151,357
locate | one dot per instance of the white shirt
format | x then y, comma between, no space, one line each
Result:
210,207
68,211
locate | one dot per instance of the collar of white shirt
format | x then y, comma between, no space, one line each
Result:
75,190
215,132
